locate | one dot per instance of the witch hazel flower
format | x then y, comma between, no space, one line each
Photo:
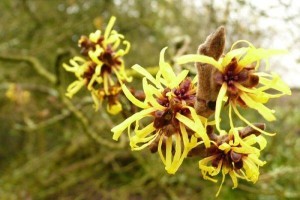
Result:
241,83
101,68
167,123
235,154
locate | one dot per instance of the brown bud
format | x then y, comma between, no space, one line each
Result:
235,157
208,89
153,146
249,130
252,81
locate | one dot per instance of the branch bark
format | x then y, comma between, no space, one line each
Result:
207,89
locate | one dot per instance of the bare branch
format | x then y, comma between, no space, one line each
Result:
34,62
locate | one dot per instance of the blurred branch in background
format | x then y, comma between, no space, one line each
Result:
55,148
33,62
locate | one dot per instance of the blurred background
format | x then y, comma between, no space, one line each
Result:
54,148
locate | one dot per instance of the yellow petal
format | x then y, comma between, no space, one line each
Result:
70,68
168,152
245,150
94,37
79,59
160,150
145,131
249,124
146,142
105,83
109,27
250,139
219,101
149,96
114,38
254,55
114,108
236,53
184,134
177,148
255,159
121,73
262,142
166,70
180,77
195,79
116,44
74,87
276,83
252,171
263,110
234,179
127,44
224,172
225,147
200,129
178,155
145,73
186,121
207,169
94,55
117,130
198,58
96,100
132,98
230,116
241,41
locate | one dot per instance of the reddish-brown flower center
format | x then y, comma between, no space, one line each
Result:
107,57
88,74
109,60
87,45
175,103
230,159
233,75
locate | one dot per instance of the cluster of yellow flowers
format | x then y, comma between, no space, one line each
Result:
17,94
101,69
167,121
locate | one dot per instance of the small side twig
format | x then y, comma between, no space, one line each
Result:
85,123
49,122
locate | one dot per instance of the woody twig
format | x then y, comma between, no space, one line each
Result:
207,89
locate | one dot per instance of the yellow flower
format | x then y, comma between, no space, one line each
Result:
241,83
18,95
113,104
102,68
174,127
235,155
